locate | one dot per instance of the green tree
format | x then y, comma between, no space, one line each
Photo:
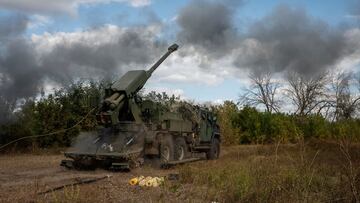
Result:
227,114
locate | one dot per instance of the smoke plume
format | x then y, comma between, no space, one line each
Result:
25,65
104,52
19,72
114,57
289,39
208,26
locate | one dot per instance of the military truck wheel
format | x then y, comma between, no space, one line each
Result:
167,149
214,151
181,149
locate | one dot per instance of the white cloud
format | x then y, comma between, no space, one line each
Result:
349,62
39,21
139,3
356,17
51,7
191,68
106,34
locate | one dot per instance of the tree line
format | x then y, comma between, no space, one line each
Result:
323,107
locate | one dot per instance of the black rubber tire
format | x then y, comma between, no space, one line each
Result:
167,149
181,149
214,151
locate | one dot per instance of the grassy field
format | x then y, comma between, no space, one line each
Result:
314,171
309,172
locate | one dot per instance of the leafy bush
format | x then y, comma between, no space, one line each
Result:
227,120
248,125
346,129
57,111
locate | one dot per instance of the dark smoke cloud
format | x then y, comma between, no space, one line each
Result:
286,39
19,72
208,26
107,59
289,39
22,74
23,69
12,69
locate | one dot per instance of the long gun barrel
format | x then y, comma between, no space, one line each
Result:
171,49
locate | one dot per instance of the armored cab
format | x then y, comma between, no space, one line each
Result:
132,128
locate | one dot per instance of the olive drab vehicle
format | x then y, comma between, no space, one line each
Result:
132,128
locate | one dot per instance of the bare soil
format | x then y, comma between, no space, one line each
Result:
23,176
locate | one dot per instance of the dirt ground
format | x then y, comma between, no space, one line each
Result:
317,172
22,177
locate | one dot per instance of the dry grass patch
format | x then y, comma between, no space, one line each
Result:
294,174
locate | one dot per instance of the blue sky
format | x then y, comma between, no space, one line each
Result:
82,16
333,12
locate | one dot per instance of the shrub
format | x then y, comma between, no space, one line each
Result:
248,125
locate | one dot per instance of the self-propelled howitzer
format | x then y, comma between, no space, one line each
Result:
120,95
133,128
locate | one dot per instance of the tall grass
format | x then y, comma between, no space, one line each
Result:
256,177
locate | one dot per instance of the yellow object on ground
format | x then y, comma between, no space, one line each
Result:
155,184
148,181
134,181
142,183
